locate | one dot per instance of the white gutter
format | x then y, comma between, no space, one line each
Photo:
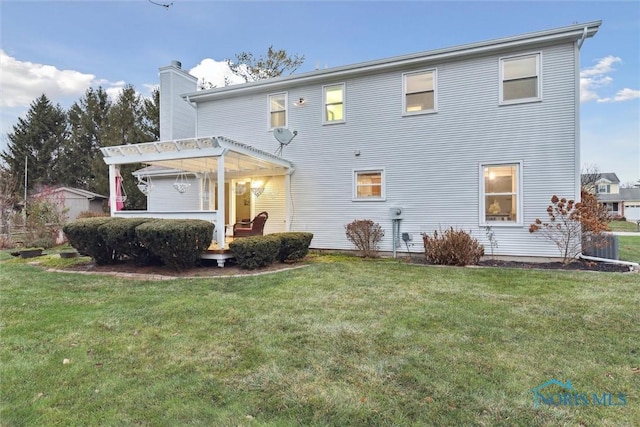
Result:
633,265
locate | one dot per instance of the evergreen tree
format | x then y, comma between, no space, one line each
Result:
88,122
38,139
151,115
125,125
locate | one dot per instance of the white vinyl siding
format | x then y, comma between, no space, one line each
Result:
419,92
431,161
277,110
520,78
333,97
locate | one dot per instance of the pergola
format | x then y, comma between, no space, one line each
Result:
216,155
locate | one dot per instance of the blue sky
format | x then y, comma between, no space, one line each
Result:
62,47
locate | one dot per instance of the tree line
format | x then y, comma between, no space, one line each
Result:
62,148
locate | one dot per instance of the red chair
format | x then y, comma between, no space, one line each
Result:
251,228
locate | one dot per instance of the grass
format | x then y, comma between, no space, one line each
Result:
629,248
342,342
623,226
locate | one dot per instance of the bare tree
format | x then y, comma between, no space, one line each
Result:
589,176
275,64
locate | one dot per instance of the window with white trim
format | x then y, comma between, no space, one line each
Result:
520,78
368,185
603,189
419,92
333,99
277,110
500,194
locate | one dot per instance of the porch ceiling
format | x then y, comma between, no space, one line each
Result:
199,155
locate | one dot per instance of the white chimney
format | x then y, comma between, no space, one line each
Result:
177,117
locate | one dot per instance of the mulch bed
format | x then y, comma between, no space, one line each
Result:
575,265
208,268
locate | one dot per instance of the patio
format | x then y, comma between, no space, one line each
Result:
216,165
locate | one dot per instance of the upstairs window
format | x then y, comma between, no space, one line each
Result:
520,79
333,97
500,192
368,185
419,92
277,110
603,189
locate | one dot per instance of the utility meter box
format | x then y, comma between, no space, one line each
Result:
395,213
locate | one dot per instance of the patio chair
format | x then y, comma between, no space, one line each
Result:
251,228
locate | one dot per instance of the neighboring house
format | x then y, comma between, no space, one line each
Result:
75,200
620,202
473,136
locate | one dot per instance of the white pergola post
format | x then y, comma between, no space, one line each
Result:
287,201
221,220
113,171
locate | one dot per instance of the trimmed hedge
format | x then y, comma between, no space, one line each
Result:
84,236
256,251
121,237
179,243
294,245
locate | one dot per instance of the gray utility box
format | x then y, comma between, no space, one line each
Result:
602,246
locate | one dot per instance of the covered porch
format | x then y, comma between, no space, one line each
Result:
210,178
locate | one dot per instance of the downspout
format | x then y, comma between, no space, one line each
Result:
632,265
584,36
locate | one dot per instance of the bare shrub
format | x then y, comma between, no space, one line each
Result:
365,235
452,247
91,214
567,220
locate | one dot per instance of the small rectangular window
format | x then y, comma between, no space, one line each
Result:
368,185
500,194
520,78
333,103
277,110
419,92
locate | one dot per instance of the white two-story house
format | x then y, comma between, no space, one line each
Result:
473,136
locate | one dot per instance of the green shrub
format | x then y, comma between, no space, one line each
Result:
452,247
294,246
83,235
256,251
121,237
179,243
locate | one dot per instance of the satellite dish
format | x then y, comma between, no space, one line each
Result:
284,137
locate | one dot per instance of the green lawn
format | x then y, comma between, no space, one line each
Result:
341,342
623,226
629,247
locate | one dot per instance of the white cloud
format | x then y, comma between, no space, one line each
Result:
24,81
625,94
214,72
596,78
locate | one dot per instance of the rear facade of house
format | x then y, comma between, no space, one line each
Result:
473,136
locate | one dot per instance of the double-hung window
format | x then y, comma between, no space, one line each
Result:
368,185
419,92
501,193
277,110
520,78
333,99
